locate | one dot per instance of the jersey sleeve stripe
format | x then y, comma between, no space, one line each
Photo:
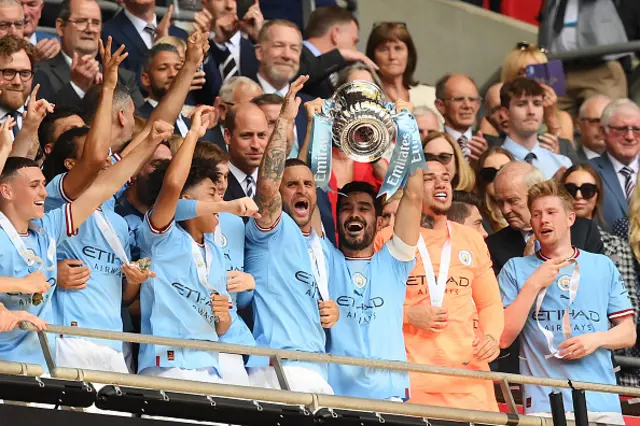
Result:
271,228
116,157
62,193
71,229
156,230
621,314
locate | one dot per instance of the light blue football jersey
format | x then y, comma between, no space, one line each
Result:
286,313
601,296
370,293
175,303
98,305
56,225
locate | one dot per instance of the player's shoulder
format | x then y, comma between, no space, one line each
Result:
231,221
464,233
594,260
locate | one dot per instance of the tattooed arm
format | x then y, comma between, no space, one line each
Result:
272,165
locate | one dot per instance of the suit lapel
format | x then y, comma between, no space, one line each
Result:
61,70
248,63
610,179
131,35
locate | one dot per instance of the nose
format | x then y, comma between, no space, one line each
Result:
173,72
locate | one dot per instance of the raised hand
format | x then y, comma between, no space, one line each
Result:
6,136
163,26
197,47
352,55
84,70
291,104
160,131
37,109
111,62
550,142
478,145
244,207
252,21
202,21
200,120
313,107
47,49
224,27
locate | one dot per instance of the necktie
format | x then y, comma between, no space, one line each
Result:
249,186
151,30
628,182
14,115
464,146
228,66
530,157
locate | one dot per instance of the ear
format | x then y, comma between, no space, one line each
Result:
145,80
69,163
571,218
121,120
6,191
440,106
59,27
378,224
334,34
48,148
227,136
258,52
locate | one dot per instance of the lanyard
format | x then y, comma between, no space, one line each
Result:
436,288
574,283
318,265
29,257
110,235
218,237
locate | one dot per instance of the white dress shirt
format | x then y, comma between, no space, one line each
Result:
76,88
269,89
456,134
182,126
140,25
241,177
617,166
233,45
33,39
589,153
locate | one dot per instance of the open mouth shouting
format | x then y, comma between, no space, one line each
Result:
354,227
301,207
440,196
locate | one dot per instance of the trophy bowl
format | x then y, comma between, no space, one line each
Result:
363,127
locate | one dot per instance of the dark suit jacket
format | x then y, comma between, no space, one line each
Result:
566,148
614,205
319,68
54,75
146,109
290,10
122,31
248,67
582,156
234,190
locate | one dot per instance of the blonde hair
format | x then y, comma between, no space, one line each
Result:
518,58
176,42
465,178
550,188
634,222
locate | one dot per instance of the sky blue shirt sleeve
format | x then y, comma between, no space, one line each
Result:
186,209
508,283
619,303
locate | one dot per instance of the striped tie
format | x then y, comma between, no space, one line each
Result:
628,182
249,182
151,30
228,67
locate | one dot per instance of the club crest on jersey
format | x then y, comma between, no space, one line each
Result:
223,240
465,257
359,280
564,282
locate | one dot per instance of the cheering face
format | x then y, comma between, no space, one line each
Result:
391,57
26,191
581,184
206,191
511,198
622,143
357,221
164,69
279,54
550,221
298,192
15,92
12,14
525,115
437,190
80,33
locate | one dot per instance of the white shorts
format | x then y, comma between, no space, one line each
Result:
594,417
232,369
80,353
300,379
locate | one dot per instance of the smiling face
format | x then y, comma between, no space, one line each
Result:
461,103
298,192
248,139
356,221
205,190
26,191
439,146
623,144
279,55
551,222
15,92
437,190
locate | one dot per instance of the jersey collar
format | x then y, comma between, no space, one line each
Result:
576,253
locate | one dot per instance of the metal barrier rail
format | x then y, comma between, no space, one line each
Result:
504,379
21,369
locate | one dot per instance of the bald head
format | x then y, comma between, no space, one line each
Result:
235,91
511,187
589,122
246,136
458,101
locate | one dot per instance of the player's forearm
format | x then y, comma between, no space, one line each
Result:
24,142
380,169
5,152
98,139
178,170
303,155
407,223
270,173
10,285
516,314
491,320
622,336
171,104
130,293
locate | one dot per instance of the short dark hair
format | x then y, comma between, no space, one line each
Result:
293,162
152,184
65,147
91,100
13,164
323,18
12,44
268,99
64,10
461,206
395,31
45,131
230,119
518,88
359,186
156,49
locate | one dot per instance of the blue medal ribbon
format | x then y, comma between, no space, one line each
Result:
320,147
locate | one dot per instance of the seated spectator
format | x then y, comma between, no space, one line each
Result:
488,166
138,28
458,101
465,209
391,47
330,43
618,166
556,122
592,143
441,147
55,124
45,44
68,76
270,105
389,210
428,121
523,101
13,19
549,346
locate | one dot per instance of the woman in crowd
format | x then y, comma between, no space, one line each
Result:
391,47
557,122
488,166
440,146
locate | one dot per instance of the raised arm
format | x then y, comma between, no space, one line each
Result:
272,165
312,108
112,179
5,140
26,143
407,223
98,141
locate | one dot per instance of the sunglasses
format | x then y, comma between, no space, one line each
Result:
443,158
525,45
588,190
488,174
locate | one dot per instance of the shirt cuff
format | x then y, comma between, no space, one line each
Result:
78,90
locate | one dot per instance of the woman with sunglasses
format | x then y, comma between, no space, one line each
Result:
556,122
441,147
488,166
391,47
